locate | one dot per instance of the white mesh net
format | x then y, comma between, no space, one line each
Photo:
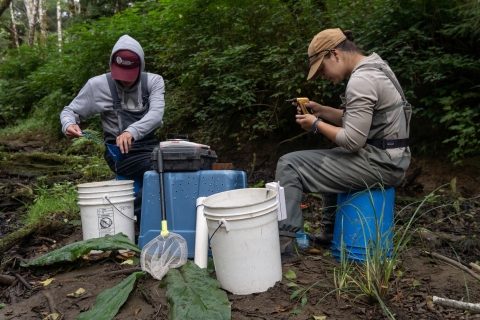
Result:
163,253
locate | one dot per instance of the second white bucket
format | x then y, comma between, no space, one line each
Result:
243,231
106,208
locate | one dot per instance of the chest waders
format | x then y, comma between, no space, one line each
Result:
376,133
127,117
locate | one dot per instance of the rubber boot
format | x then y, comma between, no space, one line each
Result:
284,242
286,249
324,238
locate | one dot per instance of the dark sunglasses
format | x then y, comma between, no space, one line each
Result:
307,60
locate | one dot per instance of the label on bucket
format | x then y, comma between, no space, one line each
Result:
106,223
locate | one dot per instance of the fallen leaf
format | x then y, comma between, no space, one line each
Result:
430,304
136,311
290,275
47,282
320,317
397,297
280,309
77,293
314,251
125,255
129,261
52,316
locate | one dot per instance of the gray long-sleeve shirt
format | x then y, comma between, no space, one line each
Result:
95,97
369,90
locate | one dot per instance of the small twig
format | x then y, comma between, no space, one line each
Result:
253,165
291,139
156,314
475,266
312,257
126,271
23,281
456,264
456,304
51,304
7,280
47,239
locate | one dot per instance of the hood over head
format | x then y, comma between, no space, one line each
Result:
124,65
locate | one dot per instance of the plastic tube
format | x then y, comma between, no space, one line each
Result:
201,236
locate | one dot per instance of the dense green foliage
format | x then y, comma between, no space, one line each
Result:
230,65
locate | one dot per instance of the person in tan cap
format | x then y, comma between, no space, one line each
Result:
371,129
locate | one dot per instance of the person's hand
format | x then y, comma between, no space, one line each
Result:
299,110
73,131
315,107
124,141
305,121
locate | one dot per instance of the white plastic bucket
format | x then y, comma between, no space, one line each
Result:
106,208
110,185
246,247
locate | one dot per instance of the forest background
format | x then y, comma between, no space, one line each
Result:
229,65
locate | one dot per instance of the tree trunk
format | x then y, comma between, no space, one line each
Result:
4,4
14,26
43,21
59,26
32,14
71,8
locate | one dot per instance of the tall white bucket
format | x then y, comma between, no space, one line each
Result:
243,228
107,208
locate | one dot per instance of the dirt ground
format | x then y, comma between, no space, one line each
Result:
418,275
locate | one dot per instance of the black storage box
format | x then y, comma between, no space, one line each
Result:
183,155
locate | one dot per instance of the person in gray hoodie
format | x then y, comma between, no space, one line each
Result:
371,129
131,106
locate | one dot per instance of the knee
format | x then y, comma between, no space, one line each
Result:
285,160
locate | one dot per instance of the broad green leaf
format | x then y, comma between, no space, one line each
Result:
416,283
74,250
292,284
108,302
192,294
297,311
290,275
2,305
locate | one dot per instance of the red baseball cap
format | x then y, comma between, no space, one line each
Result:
125,66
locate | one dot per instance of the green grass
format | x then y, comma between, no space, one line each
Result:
60,198
23,126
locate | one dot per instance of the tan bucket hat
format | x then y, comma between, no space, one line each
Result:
324,41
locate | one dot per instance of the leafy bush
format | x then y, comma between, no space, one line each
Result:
229,65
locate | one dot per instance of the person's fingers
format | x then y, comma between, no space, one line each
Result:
124,142
73,131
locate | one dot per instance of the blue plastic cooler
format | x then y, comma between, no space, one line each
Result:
181,192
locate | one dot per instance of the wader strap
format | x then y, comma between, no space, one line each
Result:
395,83
117,103
145,94
388,144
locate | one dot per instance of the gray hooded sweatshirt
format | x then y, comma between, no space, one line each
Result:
95,97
